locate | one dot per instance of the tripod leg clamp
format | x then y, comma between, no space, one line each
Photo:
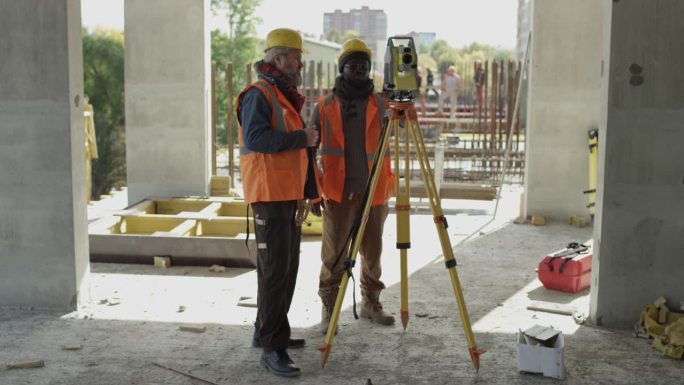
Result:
450,263
441,219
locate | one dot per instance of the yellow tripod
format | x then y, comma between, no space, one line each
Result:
403,111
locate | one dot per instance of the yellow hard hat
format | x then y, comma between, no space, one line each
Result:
351,46
283,37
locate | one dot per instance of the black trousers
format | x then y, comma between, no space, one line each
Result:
278,240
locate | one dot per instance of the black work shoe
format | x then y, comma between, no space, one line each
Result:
279,363
292,343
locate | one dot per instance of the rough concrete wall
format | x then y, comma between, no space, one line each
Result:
563,104
167,75
639,230
43,227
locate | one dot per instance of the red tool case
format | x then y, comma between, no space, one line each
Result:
567,270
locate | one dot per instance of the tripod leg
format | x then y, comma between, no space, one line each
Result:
356,240
447,250
402,208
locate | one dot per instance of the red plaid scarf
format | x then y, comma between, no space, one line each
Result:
290,91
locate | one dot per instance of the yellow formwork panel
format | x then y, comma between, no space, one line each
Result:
221,186
224,227
236,208
148,224
313,225
175,206
146,207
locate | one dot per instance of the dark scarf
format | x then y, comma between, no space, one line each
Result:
283,83
347,91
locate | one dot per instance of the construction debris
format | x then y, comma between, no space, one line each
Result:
538,220
193,328
579,318
664,326
26,365
577,221
520,220
181,309
162,261
112,301
247,302
541,350
217,269
554,308
71,347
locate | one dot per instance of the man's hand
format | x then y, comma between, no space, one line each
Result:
317,208
311,137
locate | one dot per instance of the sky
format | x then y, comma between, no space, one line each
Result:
459,22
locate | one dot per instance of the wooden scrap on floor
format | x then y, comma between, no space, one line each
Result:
538,220
26,365
162,261
71,347
577,221
554,308
520,220
113,301
247,302
184,373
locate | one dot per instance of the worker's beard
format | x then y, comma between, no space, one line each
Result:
292,75
296,79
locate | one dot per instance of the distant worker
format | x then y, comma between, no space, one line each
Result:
277,171
350,121
451,84
430,82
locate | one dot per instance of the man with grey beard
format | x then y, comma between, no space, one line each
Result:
277,171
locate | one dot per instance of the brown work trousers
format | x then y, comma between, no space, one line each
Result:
338,219
278,240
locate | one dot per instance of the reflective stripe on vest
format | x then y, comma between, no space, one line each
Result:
326,149
381,115
275,106
332,148
277,176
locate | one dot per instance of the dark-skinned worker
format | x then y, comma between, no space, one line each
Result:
277,171
350,122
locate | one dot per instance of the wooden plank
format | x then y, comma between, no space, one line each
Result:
229,122
551,307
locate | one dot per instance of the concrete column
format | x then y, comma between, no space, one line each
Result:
563,104
639,229
43,226
167,71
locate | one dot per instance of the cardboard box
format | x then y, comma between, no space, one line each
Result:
540,350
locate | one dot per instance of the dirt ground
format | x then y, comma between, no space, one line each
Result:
132,320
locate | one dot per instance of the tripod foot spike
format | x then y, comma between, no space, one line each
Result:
325,352
404,318
475,357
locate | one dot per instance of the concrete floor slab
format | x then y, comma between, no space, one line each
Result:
134,318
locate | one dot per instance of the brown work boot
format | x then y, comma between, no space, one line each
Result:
328,297
371,308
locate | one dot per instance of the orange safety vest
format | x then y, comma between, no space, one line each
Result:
332,148
277,176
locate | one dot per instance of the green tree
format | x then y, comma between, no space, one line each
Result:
439,48
504,54
334,35
103,83
238,46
